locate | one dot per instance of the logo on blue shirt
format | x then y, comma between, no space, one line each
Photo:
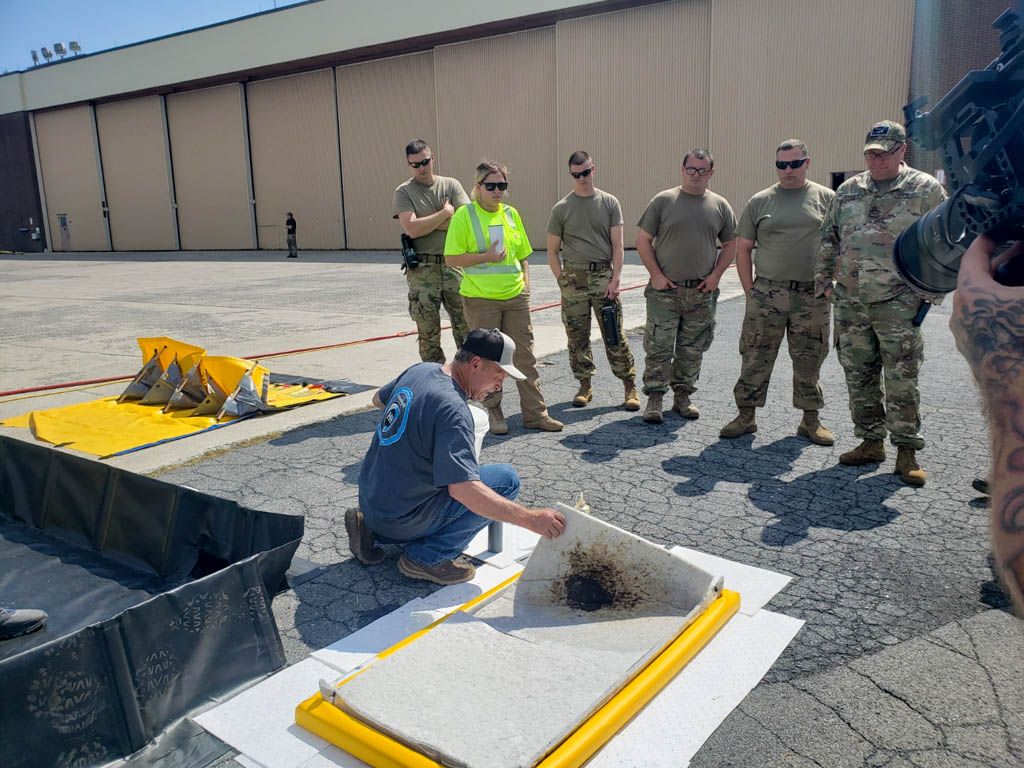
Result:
396,416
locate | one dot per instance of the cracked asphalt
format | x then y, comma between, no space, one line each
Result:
909,655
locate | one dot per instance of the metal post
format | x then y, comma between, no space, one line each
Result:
494,537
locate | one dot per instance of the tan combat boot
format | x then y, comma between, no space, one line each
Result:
868,452
907,468
813,430
584,394
632,401
681,404
545,423
743,424
652,413
496,419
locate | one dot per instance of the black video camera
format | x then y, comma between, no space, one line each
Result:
409,258
979,125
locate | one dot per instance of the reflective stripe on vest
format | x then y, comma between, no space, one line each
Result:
490,268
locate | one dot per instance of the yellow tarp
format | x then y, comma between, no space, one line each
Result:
104,427
179,391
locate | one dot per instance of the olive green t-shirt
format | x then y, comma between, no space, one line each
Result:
423,200
686,229
584,224
785,225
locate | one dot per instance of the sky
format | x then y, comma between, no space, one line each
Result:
101,24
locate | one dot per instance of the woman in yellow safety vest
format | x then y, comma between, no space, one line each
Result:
488,240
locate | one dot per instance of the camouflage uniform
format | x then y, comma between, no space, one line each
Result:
680,328
432,285
873,307
775,309
583,289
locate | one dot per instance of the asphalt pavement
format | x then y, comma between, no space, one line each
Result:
909,655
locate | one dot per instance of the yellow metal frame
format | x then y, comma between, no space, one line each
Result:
381,751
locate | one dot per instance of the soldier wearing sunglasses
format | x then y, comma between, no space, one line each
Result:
874,308
678,242
586,226
784,222
488,240
424,205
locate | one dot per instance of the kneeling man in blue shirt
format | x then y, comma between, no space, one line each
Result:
420,485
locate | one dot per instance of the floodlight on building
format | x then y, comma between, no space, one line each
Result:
75,47
60,50
46,53
35,57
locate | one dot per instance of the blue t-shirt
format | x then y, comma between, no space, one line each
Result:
423,442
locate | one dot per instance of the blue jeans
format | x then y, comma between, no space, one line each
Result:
456,525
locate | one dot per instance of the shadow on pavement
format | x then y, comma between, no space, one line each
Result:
733,461
628,434
836,497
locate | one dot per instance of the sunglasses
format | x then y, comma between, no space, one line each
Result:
422,163
582,174
876,156
794,164
490,186
691,171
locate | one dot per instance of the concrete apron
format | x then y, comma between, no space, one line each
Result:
373,363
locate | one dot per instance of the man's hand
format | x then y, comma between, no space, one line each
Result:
662,283
709,283
448,210
547,522
612,291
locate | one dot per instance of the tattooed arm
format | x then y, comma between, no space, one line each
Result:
988,323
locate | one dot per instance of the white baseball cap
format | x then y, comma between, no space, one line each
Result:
492,344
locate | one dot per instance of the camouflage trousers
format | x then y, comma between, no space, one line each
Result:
776,309
432,285
874,339
680,328
293,245
583,291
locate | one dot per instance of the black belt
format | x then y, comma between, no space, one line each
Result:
689,283
591,266
428,258
793,285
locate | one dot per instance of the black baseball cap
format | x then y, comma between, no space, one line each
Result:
491,344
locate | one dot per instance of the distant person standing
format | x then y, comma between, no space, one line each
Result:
586,226
677,241
293,248
423,206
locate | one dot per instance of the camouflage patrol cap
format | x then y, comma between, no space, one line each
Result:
885,136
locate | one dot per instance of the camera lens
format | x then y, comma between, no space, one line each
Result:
927,253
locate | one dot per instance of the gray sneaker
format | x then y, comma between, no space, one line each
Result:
360,539
449,572
20,621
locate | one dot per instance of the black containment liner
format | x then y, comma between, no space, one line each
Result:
159,604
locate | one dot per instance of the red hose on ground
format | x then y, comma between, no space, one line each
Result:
339,345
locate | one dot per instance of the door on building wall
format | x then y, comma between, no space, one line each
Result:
65,231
